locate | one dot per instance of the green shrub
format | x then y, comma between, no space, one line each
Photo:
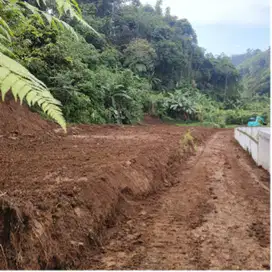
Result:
237,117
153,104
241,117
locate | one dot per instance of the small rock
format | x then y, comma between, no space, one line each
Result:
127,163
83,179
138,242
135,236
77,211
143,213
130,222
74,243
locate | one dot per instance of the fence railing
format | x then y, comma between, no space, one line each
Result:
255,140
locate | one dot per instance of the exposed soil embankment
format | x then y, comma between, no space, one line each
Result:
18,120
59,193
216,218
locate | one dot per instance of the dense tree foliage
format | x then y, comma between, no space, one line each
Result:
240,58
15,77
110,61
254,67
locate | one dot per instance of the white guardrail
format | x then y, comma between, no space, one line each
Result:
256,140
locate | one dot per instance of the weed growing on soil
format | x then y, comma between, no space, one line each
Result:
187,142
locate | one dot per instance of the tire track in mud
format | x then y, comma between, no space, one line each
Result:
216,217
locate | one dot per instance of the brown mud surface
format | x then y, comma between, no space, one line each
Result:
216,217
113,197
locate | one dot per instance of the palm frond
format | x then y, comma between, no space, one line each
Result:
23,85
65,6
4,34
16,78
4,28
3,37
4,49
122,95
71,7
68,7
49,18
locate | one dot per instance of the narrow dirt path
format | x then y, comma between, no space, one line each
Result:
216,217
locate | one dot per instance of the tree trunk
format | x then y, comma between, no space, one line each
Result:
226,84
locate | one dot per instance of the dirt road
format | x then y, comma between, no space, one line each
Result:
128,197
60,194
216,217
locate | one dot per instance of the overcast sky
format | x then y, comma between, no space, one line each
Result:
229,26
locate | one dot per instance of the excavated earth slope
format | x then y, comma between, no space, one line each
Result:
134,197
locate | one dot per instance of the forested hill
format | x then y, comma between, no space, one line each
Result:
111,61
158,46
240,58
254,67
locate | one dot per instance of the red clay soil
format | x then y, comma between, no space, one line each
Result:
215,218
134,197
18,120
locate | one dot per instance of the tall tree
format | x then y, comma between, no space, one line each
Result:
140,57
158,7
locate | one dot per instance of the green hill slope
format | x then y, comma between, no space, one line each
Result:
254,67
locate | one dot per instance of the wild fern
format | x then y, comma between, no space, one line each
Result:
16,78
64,7
23,85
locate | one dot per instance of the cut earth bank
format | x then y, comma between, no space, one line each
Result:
135,197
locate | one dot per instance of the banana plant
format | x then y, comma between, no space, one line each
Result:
180,103
116,98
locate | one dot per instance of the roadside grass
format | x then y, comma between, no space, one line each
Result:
199,124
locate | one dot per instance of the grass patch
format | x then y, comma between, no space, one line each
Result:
187,142
199,124
189,124
232,126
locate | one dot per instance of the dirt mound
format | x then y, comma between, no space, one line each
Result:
19,120
60,194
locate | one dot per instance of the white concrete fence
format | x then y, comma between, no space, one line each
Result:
256,140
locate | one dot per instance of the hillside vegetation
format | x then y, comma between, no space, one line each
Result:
112,61
254,67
